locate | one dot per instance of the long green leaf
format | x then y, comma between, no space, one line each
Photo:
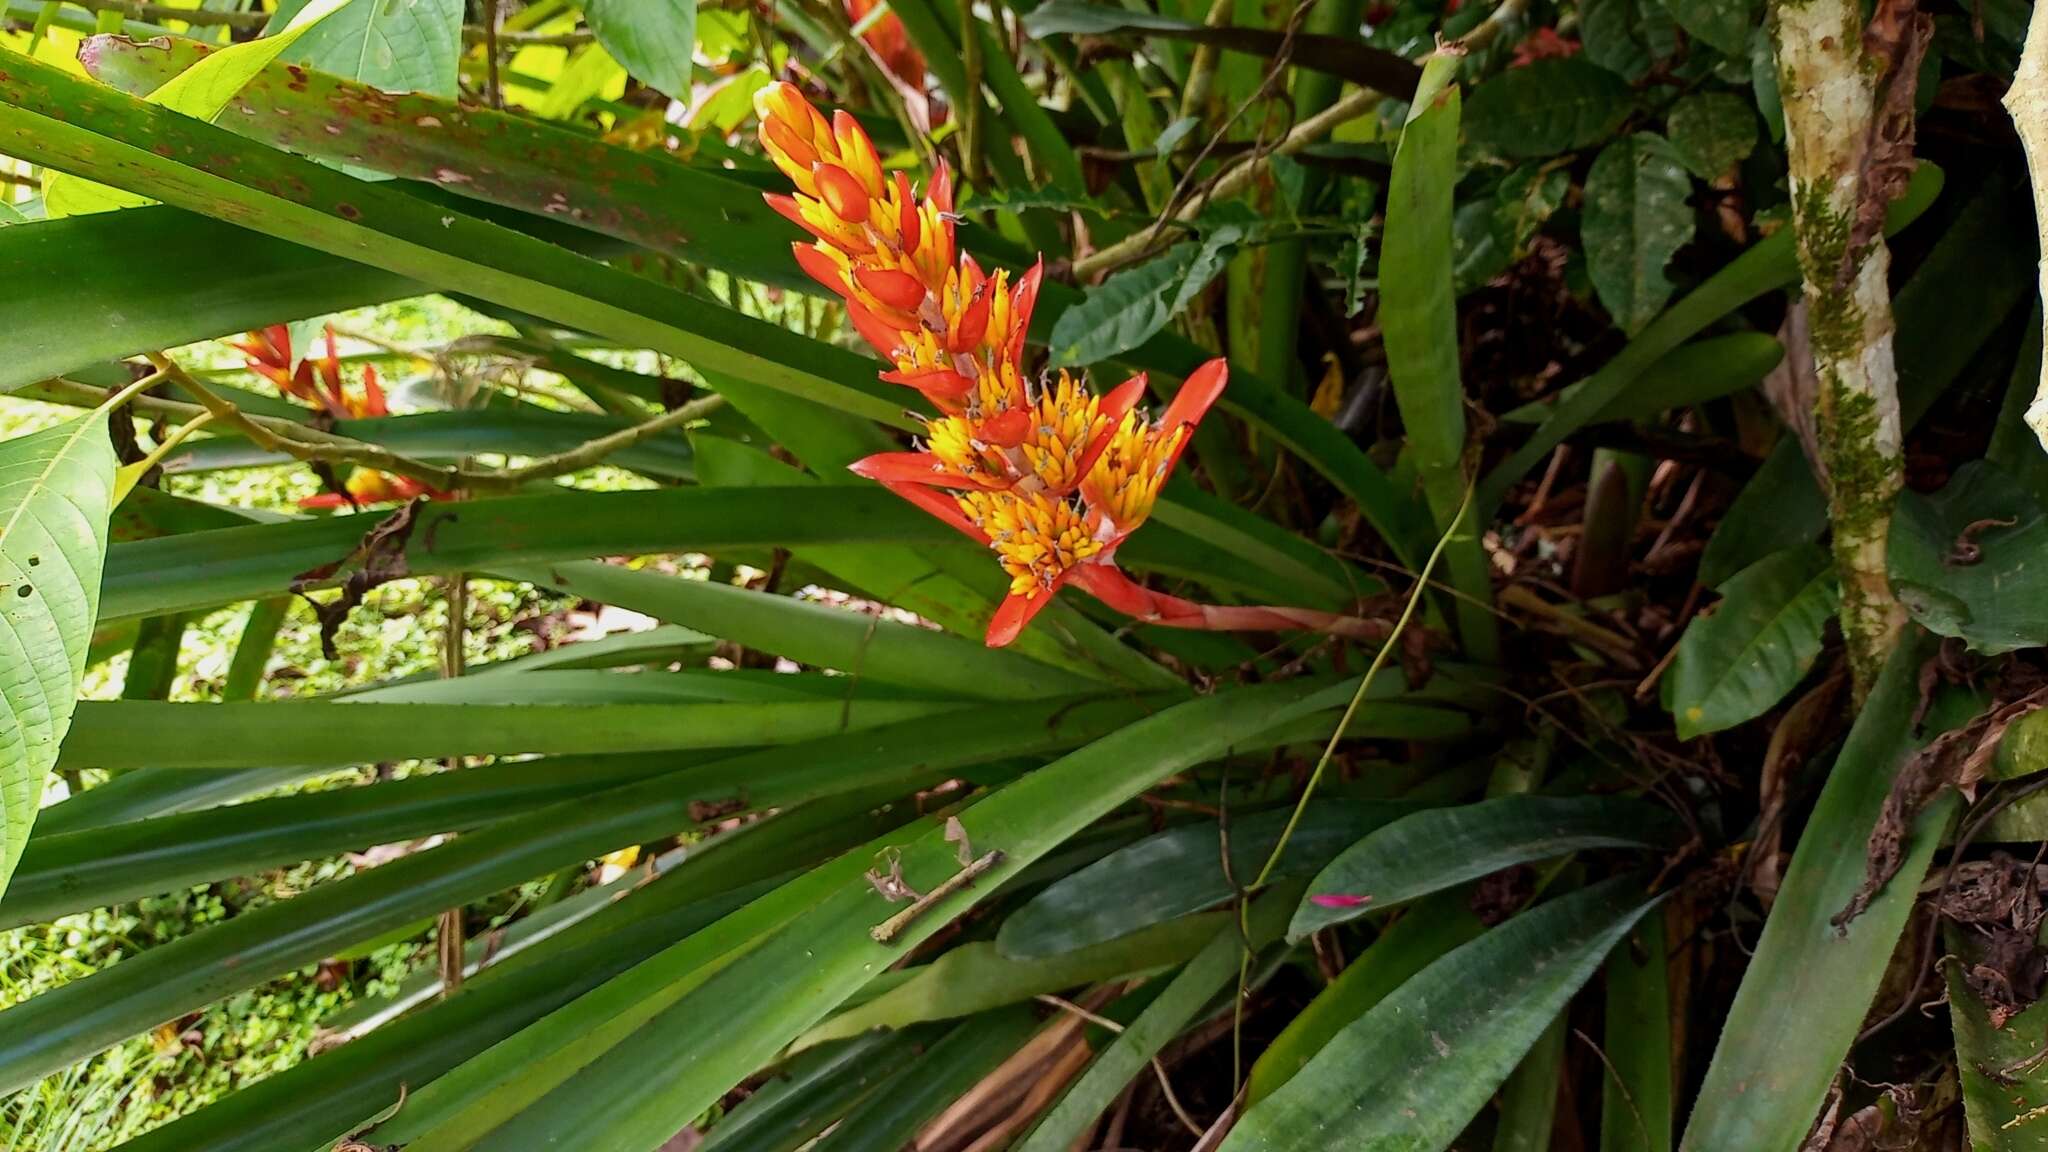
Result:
1635,1098
1410,1073
86,1015
65,122
107,865
978,976
1423,933
889,1119
56,491
451,435
1436,849
1767,1082
816,634
812,1091
1179,871
135,733
828,953
205,569
309,1106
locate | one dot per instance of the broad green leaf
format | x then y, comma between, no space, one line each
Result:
654,39
56,488
2002,1092
1193,988
1737,663
1767,266
1635,218
1712,132
976,977
1970,560
1416,940
1131,306
1412,1072
828,953
199,92
1767,1081
1545,108
1626,37
1178,871
1442,847
1724,24
1635,1098
395,45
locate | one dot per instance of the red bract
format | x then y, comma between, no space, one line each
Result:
268,353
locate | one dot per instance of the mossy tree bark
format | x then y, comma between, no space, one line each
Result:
1849,140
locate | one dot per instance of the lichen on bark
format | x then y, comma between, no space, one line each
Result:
1848,132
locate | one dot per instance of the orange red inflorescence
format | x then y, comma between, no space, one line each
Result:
1049,475
268,353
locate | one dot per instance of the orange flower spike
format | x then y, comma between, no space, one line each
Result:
1124,480
899,290
373,394
909,217
843,194
857,153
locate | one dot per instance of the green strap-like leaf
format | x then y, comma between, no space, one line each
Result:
1433,850
1737,663
1809,985
56,489
1410,1074
1178,871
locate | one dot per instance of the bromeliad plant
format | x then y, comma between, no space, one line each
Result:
1048,475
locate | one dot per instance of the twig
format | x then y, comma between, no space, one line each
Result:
492,91
1315,777
157,13
1180,1112
1233,181
1202,69
893,927
477,34
312,446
